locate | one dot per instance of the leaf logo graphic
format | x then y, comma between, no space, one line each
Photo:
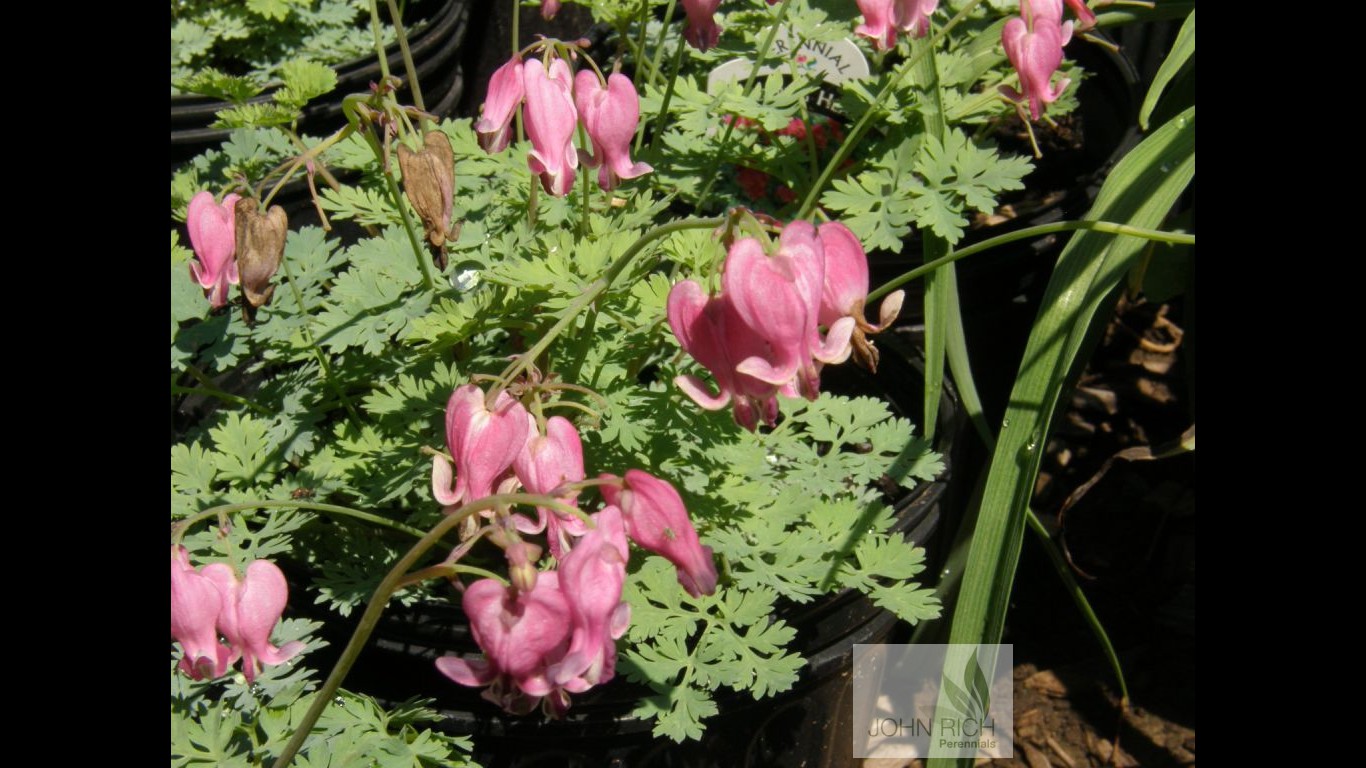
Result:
970,700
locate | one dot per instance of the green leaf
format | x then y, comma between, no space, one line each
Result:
255,115
208,740
187,298
679,712
189,41
193,471
872,208
242,453
303,81
958,176
367,206
375,300
275,10
1140,191
217,85
1183,50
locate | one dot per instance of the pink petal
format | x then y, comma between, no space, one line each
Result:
550,122
471,672
506,92
702,31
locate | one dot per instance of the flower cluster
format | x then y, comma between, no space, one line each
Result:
760,337
1034,41
214,601
553,102
550,633
883,18
234,243
554,637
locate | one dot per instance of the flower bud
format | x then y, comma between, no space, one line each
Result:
657,520
522,557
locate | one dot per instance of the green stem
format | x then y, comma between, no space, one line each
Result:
408,66
810,132
591,293
1079,597
856,133
941,306
221,395
710,174
584,185
1161,236
516,33
1160,11
419,252
379,40
380,599
179,529
659,41
209,388
576,406
293,166
531,201
640,43
668,97
446,571
956,349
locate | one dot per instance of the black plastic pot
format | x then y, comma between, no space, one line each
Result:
436,47
809,724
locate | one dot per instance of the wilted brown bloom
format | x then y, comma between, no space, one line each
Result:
429,181
260,245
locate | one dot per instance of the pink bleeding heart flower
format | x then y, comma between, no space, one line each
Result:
709,330
550,121
548,461
883,18
549,8
610,116
505,95
657,520
522,633
213,235
877,23
846,290
1086,18
483,442
779,298
1034,46
591,577
251,608
195,604
702,31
